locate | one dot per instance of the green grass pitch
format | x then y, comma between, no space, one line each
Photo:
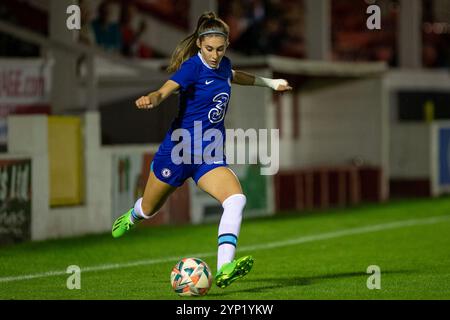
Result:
316,255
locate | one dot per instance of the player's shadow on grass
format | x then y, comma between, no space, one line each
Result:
283,282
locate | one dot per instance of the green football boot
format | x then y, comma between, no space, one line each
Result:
122,225
233,270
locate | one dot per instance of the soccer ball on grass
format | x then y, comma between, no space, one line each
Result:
191,277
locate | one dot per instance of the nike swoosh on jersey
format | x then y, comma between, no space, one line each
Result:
208,82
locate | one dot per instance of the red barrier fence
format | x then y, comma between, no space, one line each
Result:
324,187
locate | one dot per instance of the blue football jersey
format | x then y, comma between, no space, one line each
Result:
203,102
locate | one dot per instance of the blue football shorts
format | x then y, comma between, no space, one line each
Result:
176,174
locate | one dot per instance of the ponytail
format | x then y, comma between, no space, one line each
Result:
207,24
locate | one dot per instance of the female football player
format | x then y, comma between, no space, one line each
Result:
203,76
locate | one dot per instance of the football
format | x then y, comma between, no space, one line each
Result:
191,277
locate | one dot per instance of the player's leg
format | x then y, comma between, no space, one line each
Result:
155,195
222,184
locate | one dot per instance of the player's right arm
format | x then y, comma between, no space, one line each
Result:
153,99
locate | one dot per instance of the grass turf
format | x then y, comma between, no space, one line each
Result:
414,260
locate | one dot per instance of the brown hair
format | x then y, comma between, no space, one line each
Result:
188,46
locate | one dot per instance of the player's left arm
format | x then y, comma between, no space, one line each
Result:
247,79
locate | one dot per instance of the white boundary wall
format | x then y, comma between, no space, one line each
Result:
28,138
410,146
28,135
338,124
341,123
414,146
415,153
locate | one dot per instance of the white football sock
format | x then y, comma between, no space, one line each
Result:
137,214
229,227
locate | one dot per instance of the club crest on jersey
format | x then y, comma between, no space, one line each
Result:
217,113
166,173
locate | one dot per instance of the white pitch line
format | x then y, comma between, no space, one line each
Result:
277,244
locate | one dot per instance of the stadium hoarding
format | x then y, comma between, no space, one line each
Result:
25,86
130,171
15,200
440,157
444,156
128,180
256,187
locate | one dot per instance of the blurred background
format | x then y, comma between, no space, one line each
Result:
367,120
